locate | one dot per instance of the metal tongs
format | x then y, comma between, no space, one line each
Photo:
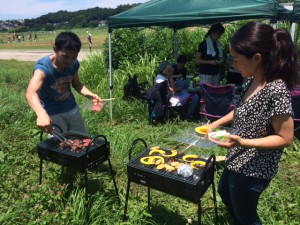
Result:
60,137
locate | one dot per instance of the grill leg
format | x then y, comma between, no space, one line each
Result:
87,211
149,199
126,199
215,201
112,174
199,212
41,170
86,185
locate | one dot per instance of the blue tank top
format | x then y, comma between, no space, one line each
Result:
55,94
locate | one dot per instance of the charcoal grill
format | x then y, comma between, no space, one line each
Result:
87,158
191,189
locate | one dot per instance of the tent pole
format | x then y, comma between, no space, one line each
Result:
175,46
297,34
273,21
293,27
110,72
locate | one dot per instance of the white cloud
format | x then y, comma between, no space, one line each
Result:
29,9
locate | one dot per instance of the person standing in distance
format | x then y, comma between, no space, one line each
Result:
90,42
49,92
209,55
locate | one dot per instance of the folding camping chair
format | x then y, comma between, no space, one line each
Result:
177,104
216,101
295,93
159,107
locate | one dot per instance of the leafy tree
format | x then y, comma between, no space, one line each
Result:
81,18
48,27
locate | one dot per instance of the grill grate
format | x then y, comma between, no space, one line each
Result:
86,158
83,160
136,164
191,189
52,144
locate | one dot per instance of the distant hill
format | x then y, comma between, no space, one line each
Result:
63,19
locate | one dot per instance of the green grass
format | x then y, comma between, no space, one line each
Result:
23,201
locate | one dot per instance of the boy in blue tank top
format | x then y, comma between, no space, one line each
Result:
49,92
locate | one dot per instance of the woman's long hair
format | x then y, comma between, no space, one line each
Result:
279,55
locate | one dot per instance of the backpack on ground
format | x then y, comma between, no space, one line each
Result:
156,109
133,89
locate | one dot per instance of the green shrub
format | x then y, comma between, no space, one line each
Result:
129,45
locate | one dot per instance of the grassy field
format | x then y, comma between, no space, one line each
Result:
24,201
45,39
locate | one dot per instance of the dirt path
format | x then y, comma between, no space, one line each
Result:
32,55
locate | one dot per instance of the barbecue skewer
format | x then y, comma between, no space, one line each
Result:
107,99
187,148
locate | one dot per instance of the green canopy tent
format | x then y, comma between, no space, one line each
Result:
295,18
184,13
177,14
296,10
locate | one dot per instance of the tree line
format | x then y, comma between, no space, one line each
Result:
69,20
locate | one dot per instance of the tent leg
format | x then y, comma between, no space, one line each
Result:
110,72
175,45
293,28
297,34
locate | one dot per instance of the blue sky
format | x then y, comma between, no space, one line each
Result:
29,9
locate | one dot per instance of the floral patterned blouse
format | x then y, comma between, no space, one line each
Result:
252,119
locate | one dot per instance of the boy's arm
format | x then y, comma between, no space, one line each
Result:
83,90
43,119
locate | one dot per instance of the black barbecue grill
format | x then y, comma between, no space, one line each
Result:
82,160
191,188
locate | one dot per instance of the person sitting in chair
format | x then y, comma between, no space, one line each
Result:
179,67
174,95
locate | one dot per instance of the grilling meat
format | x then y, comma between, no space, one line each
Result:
74,144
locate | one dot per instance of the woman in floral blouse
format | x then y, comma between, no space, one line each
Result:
263,117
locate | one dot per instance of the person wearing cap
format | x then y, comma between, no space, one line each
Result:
172,94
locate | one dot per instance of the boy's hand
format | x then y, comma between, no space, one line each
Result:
44,123
95,98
